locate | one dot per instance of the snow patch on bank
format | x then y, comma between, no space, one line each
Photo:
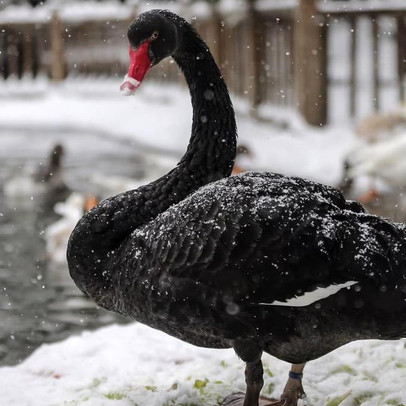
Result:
136,365
161,115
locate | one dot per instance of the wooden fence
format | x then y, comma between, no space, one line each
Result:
279,57
372,27
20,50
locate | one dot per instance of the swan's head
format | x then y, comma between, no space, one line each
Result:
153,36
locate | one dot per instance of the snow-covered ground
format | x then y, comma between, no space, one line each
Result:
134,365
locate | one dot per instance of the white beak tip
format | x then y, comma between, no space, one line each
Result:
129,86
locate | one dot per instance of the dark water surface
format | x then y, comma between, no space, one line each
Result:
39,303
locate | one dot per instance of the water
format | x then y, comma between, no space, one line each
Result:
39,303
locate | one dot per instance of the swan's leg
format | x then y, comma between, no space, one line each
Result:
250,352
292,392
255,381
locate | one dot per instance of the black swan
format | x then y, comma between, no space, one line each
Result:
257,261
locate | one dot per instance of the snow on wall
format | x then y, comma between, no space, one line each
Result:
24,14
72,12
92,10
359,5
270,5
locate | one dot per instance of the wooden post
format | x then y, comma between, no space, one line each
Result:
310,63
268,61
20,54
4,66
35,52
353,62
213,34
58,65
253,56
275,59
283,68
375,61
12,51
260,58
227,55
223,42
401,33
28,49
291,68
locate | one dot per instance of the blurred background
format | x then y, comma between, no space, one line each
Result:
318,87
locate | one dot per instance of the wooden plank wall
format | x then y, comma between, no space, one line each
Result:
374,19
274,57
22,47
254,54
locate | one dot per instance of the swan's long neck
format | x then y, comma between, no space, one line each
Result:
95,243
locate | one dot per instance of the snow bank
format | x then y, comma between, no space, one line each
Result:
160,116
136,365
274,5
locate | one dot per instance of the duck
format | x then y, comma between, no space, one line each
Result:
381,160
45,183
258,262
377,131
242,155
56,234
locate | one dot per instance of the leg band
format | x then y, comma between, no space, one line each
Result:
295,375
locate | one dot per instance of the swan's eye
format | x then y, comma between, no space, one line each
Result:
154,35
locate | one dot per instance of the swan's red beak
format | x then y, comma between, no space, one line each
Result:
139,66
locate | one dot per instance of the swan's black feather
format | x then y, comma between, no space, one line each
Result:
237,245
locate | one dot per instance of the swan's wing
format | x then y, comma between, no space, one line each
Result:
270,240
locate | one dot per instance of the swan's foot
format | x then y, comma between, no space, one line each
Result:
293,390
237,399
